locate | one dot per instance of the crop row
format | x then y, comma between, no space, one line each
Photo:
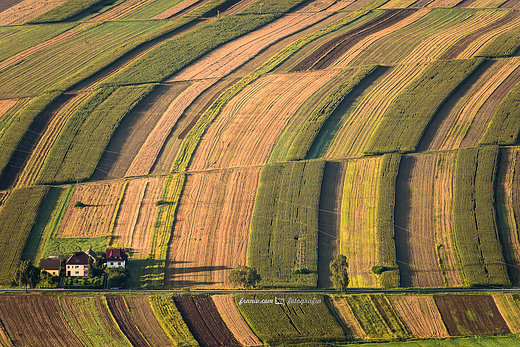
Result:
406,119
75,155
504,45
65,11
17,217
475,233
284,229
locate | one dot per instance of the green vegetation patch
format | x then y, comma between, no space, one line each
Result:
369,317
505,124
504,45
490,341
171,321
17,217
284,226
406,119
386,253
67,10
475,232
389,315
286,318
86,134
153,9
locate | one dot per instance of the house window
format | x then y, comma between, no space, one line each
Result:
111,263
77,272
118,263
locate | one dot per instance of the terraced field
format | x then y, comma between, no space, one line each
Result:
206,134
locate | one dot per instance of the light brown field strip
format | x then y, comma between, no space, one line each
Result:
235,322
121,10
5,105
211,229
249,125
179,8
26,10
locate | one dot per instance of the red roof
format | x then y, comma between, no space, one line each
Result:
78,258
116,254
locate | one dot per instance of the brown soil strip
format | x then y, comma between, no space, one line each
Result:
5,4
133,131
117,306
443,3
462,44
211,230
329,219
510,4
230,314
235,8
420,3
467,315
202,318
121,10
180,9
29,141
346,318
414,219
147,155
335,48
36,320
507,227
142,315
229,57
420,315
23,11
465,3
249,125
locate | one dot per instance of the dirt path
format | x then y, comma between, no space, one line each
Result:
329,219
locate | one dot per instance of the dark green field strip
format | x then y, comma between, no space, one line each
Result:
386,252
284,226
389,315
504,45
67,10
474,226
86,134
369,317
289,318
17,38
17,218
309,131
406,119
12,137
504,127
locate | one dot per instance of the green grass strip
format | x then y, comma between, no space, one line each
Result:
390,316
17,218
289,318
386,253
475,233
306,136
406,119
74,156
284,225
504,127
368,316
65,11
504,45
12,136
477,341
171,321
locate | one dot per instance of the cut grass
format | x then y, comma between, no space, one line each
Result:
284,226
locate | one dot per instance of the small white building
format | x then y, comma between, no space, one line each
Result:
116,258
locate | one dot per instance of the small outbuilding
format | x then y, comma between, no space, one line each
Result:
116,257
77,265
52,265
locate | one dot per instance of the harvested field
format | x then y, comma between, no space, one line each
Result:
121,10
230,314
211,230
134,129
509,309
20,12
148,153
142,315
179,9
329,219
97,218
38,321
202,317
506,191
152,9
420,315
415,233
358,236
249,125
470,315
90,320
346,318
358,124
134,220
5,105
227,58
118,308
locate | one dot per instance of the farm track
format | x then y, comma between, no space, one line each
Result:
329,219
201,316
326,54
118,308
414,231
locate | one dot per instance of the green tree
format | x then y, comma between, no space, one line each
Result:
27,275
117,276
339,272
244,276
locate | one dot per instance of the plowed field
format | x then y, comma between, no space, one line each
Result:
201,316
119,310
36,320
211,229
347,319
